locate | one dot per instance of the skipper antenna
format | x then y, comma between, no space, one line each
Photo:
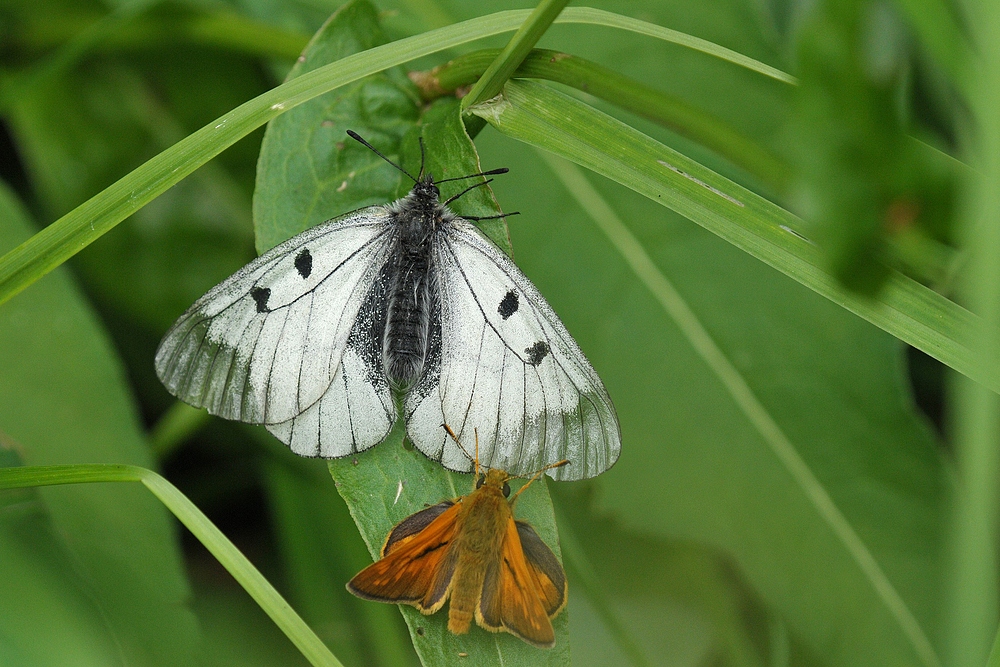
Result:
474,459
537,474
357,137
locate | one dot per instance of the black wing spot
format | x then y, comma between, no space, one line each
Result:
509,304
304,263
261,295
537,352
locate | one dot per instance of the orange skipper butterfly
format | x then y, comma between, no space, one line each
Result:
472,550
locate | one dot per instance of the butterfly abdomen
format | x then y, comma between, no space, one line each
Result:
485,513
410,298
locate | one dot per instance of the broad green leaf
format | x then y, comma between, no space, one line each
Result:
298,188
57,623
63,399
310,170
695,465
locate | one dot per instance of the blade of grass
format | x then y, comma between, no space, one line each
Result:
608,19
557,123
503,66
622,91
224,551
972,588
83,225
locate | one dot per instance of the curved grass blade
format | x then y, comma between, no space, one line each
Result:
259,588
508,60
89,221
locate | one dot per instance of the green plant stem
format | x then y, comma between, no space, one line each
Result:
971,615
624,92
503,66
174,427
83,225
231,558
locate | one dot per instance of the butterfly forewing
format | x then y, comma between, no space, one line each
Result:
417,569
265,346
411,526
508,366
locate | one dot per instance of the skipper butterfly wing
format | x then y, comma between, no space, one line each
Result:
523,589
417,561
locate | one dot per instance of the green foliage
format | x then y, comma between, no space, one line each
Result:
779,500
108,561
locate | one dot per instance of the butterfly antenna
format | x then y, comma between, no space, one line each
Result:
474,459
477,218
538,473
491,172
476,432
471,187
357,137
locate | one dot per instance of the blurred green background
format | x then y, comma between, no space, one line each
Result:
700,547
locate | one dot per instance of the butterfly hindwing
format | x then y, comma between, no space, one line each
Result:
508,366
548,573
512,599
272,344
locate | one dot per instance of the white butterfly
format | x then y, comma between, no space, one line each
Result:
320,336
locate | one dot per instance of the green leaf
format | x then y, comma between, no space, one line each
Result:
298,188
63,398
309,170
548,119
